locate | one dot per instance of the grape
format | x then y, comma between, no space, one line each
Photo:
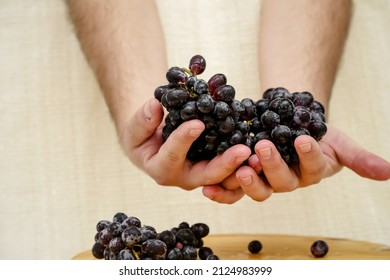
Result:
174,254
116,228
205,104
215,82
225,93
200,230
132,221
255,246
212,257
116,245
154,248
176,75
279,116
131,235
319,249
204,252
189,253
126,254
185,236
104,237
102,225
197,64
168,237
148,232
98,250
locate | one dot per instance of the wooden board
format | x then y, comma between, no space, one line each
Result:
283,247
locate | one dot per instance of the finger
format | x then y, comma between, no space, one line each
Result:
279,175
222,195
220,167
145,122
173,152
252,184
312,162
254,162
359,160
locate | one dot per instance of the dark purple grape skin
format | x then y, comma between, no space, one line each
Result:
221,110
98,250
226,126
174,254
215,82
160,91
154,248
319,249
197,64
119,217
205,104
168,237
270,119
200,230
285,109
116,245
126,255
131,236
176,75
201,87
212,257
303,99
102,225
177,97
255,246
132,221
225,93
105,237
189,253
204,252
317,130
301,118
281,134
189,111
261,106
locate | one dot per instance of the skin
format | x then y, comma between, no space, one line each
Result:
312,30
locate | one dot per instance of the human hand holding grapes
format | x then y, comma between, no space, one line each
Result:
318,160
166,162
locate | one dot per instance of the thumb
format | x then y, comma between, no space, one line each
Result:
358,159
145,122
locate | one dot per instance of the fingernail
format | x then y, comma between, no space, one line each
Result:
246,180
147,111
265,153
240,160
305,148
195,132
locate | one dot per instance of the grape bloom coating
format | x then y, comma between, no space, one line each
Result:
279,116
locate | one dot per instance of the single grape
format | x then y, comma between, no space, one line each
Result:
317,130
280,92
225,93
261,105
255,246
215,82
105,237
160,91
168,237
243,126
174,254
189,253
132,221
226,126
238,109
250,109
301,118
285,110
126,254
223,146
236,138
270,119
102,225
267,94
154,248
189,111
197,64
201,87
119,217
131,236
205,104
98,250
221,110
116,245
204,252
200,230
176,75
148,232
303,99
191,82
177,97
116,229
281,134
185,236
317,107
319,249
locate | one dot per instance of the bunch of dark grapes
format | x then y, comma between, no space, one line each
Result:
125,238
279,116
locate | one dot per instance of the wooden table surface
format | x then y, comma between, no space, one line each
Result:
282,247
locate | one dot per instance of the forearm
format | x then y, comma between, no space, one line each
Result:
124,44
301,43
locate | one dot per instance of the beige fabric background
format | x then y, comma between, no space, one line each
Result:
61,168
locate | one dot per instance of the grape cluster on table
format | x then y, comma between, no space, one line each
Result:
125,238
279,116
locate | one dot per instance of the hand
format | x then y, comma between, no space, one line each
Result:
166,162
318,160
